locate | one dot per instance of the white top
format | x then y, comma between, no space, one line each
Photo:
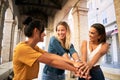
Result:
90,55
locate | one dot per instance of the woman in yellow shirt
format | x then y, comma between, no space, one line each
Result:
27,54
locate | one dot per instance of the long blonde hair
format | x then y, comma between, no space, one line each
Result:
67,43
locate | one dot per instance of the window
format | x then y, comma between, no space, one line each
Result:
105,21
104,18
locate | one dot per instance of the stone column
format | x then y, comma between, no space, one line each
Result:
12,42
80,31
3,7
6,42
0,31
49,31
117,11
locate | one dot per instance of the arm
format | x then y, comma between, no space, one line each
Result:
84,72
99,54
65,55
55,47
84,51
95,59
74,53
75,57
57,61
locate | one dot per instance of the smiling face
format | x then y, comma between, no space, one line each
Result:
93,35
61,32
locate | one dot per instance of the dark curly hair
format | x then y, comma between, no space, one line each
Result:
30,24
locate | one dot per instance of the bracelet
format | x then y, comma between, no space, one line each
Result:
78,60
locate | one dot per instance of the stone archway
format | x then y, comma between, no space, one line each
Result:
7,36
3,7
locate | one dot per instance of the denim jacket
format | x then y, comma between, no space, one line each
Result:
56,48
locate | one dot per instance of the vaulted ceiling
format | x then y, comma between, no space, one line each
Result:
47,7
41,9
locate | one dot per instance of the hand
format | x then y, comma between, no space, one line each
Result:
77,65
82,70
85,74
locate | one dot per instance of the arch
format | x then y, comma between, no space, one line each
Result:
7,36
3,7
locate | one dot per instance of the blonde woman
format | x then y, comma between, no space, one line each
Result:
60,45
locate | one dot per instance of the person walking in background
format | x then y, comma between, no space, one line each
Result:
93,50
61,45
27,54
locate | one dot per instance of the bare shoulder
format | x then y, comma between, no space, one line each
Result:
105,47
84,41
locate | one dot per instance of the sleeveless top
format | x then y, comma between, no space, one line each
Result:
90,55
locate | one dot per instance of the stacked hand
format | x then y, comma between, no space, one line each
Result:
82,70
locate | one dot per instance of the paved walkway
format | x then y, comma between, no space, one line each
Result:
110,70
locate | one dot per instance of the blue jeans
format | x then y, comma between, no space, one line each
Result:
96,74
52,76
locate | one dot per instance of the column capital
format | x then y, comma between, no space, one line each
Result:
80,10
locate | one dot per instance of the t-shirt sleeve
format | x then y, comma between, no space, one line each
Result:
27,55
72,49
55,46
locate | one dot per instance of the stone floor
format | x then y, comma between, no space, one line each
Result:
111,69
73,79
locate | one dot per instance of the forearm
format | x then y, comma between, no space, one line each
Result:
62,58
99,54
66,56
75,57
48,57
84,57
56,61
62,65
94,60
84,51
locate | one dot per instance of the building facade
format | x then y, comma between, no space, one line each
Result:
103,11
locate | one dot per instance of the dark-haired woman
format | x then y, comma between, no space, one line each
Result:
27,54
93,50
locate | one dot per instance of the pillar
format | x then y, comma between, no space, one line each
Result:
6,42
117,11
3,7
80,31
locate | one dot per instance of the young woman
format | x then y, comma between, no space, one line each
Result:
60,45
27,54
93,50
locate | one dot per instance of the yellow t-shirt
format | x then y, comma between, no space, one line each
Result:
25,64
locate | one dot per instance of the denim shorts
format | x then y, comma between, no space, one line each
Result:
52,76
96,74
